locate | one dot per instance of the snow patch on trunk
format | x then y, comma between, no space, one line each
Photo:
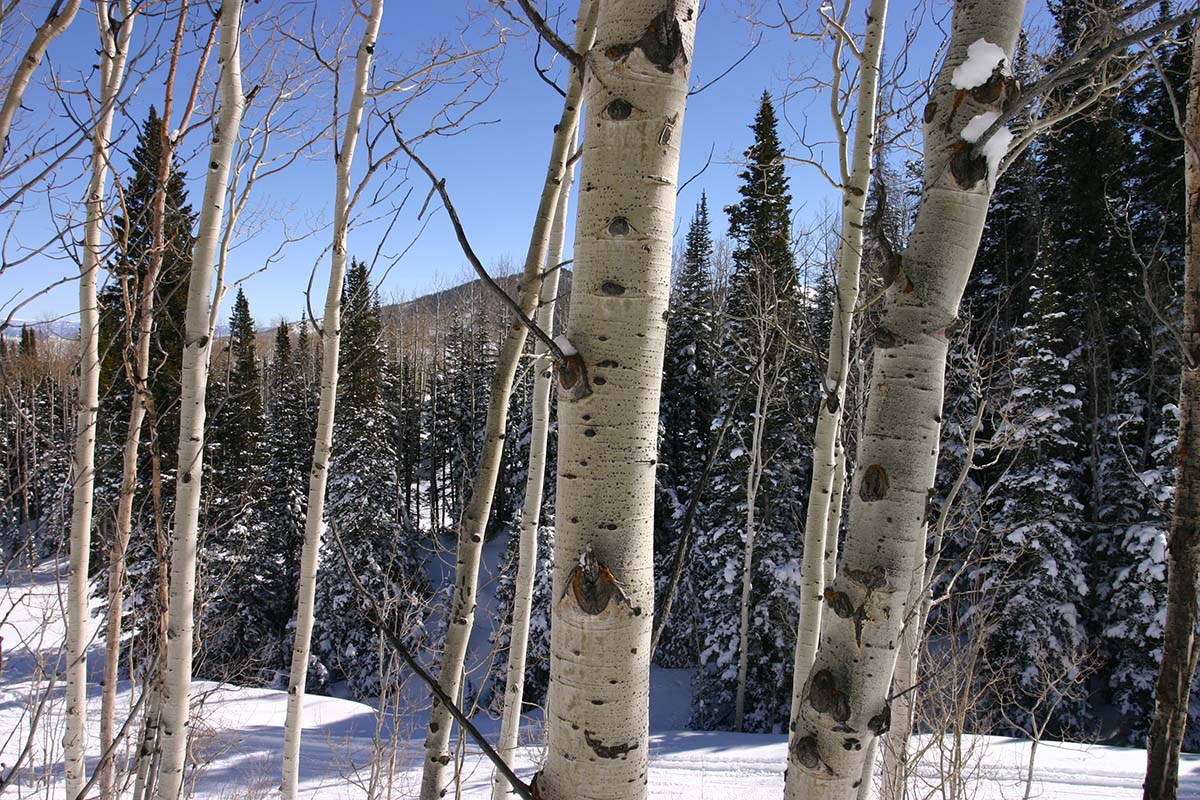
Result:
982,58
996,146
565,345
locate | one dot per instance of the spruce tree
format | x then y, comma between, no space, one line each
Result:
685,422
763,304
363,509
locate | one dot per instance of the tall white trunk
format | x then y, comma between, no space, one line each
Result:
844,704
331,338
754,472
635,90
113,53
479,508
834,520
531,508
57,21
197,345
826,452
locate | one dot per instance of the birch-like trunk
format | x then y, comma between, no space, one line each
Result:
331,337
114,48
635,91
57,21
754,473
825,458
1183,564
479,507
844,704
834,520
531,508
197,345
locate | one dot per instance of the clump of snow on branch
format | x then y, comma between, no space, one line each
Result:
982,58
996,146
565,345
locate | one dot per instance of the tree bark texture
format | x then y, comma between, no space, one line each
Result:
844,703
1183,545
197,348
479,508
331,338
114,49
531,507
826,454
635,90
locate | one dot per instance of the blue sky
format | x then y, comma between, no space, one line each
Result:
493,171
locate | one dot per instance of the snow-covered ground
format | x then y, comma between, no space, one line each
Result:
238,735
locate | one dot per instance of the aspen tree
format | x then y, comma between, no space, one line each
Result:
1183,543
478,510
58,19
855,163
197,347
844,704
531,507
330,342
635,90
114,50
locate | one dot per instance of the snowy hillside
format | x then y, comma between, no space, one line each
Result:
239,731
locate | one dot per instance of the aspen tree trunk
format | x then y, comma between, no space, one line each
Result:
1183,564
531,509
844,704
331,338
479,507
114,49
57,21
826,453
754,474
197,346
635,91
834,520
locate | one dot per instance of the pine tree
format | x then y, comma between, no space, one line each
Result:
685,424
763,302
363,508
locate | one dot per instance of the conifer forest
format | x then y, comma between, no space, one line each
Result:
409,401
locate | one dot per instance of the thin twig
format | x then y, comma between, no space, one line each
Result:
546,32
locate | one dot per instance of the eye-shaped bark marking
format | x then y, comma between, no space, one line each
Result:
806,752
825,696
839,603
593,585
881,722
662,42
967,168
619,109
607,750
874,484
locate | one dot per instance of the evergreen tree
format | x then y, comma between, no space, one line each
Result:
685,422
363,509
763,303
1031,575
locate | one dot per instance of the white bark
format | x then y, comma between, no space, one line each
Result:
531,508
114,50
57,21
844,704
825,459
635,91
479,507
323,445
834,521
197,345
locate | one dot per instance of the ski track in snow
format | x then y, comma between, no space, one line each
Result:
239,733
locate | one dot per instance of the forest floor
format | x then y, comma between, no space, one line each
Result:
349,751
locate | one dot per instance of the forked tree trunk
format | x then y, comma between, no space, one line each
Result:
114,48
475,517
635,90
531,508
57,21
844,704
331,337
197,346
826,453
1183,563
